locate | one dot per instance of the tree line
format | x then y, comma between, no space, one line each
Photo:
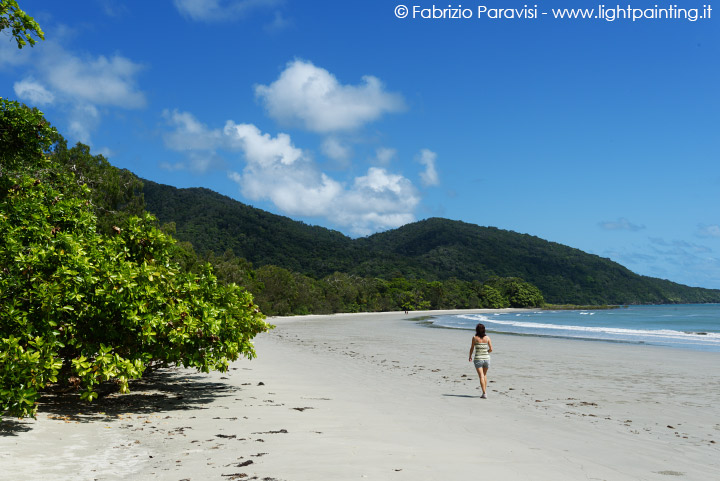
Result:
280,292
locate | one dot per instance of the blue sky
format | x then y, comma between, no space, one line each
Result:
604,136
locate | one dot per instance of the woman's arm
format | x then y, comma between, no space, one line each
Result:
472,348
489,344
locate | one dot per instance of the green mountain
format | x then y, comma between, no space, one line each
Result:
214,222
441,248
432,249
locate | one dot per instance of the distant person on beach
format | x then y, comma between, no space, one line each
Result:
482,345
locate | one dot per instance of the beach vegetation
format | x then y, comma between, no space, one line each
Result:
85,302
517,292
115,194
492,298
279,291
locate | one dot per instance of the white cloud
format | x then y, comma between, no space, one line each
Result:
708,231
196,140
77,86
336,150
313,98
201,143
621,224
261,149
285,175
33,92
278,24
378,180
220,10
277,171
189,134
377,201
384,155
100,81
430,176
83,120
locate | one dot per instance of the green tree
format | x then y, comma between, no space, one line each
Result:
22,26
435,293
491,298
517,292
116,194
276,290
94,308
341,292
25,137
82,308
524,294
231,269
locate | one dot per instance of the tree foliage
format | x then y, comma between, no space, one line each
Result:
115,194
25,136
22,26
81,307
516,292
279,291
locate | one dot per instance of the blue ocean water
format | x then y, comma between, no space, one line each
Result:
687,326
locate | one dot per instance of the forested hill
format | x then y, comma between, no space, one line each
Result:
433,249
214,222
440,248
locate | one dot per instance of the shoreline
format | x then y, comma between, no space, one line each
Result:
393,315
364,396
646,336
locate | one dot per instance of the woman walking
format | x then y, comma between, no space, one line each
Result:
482,346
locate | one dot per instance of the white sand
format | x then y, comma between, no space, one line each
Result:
376,396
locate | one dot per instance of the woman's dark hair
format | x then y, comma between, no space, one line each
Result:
480,330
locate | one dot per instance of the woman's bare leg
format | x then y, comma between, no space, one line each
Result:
483,379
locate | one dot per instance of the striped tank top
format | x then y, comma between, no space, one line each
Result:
482,350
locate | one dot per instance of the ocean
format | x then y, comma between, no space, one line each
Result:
686,326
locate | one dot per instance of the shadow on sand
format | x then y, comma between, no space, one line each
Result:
163,391
13,426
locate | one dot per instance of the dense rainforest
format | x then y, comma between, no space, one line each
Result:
458,256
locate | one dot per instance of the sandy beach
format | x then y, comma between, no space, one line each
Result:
382,396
